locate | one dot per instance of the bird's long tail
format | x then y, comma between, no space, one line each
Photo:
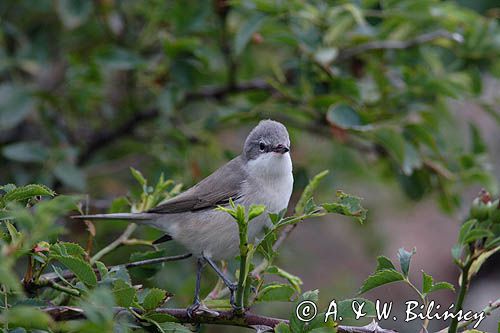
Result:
116,216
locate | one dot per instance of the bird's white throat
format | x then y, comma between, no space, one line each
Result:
270,166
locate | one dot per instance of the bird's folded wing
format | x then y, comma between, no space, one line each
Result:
215,190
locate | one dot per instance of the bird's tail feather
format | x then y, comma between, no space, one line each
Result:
116,216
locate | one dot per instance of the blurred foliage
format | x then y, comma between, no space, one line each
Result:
82,83
88,88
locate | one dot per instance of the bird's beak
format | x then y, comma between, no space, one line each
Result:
282,149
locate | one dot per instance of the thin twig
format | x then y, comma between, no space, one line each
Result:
67,274
116,243
397,44
247,319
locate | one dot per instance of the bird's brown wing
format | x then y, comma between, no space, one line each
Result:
215,190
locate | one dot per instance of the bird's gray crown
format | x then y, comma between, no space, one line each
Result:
267,136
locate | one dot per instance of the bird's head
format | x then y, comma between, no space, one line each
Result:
268,138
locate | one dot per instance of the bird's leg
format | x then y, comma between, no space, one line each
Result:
229,284
196,303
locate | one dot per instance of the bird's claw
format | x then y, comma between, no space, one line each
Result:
191,310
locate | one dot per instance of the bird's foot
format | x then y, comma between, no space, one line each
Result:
233,287
191,310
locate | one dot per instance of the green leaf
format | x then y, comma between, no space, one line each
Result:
276,292
8,278
392,141
117,58
28,317
160,317
297,325
344,308
476,234
295,281
344,116
16,103
380,278
28,191
125,295
404,260
246,31
26,152
465,229
154,298
169,327
384,263
255,210
441,286
73,13
282,328
70,175
309,191
427,282
82,270
73,249
347,205
138,176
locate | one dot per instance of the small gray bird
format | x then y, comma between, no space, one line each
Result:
262,174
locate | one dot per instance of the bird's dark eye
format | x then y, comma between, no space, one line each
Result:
262,146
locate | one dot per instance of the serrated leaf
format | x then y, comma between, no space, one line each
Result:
384,263
441,286
125,295
309,191
276,292
427,282
154,298
380,278
73,249
347,205
405,259
27,192
82,270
